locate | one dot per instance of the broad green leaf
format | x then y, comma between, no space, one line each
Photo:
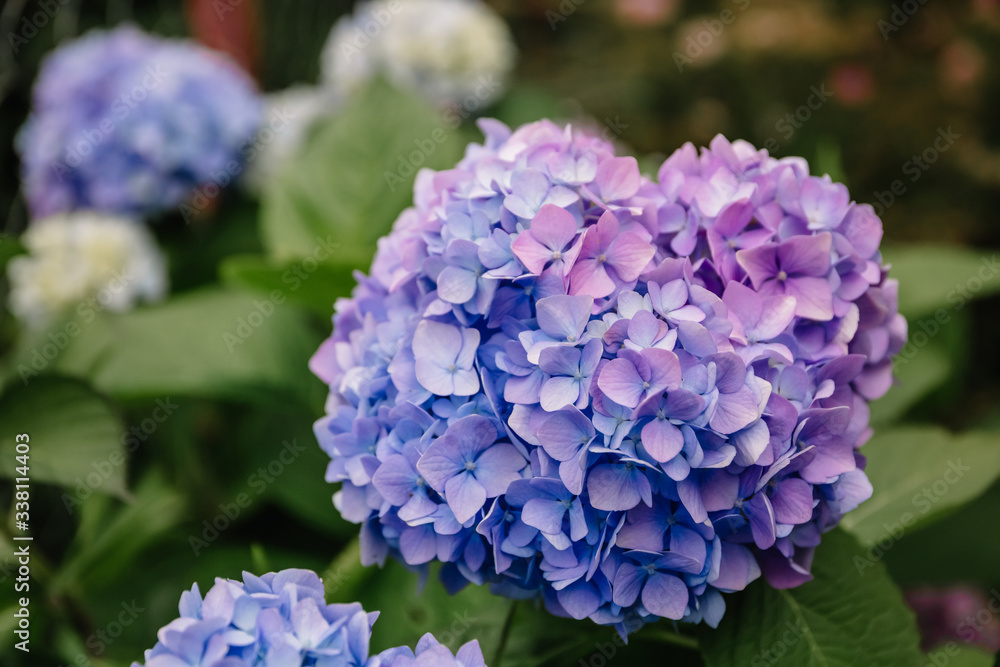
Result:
76,439
313,284
839,619
110,539
919,473
301,489
915,378
305,493
960,548
355,176
43,351
212,343
933,277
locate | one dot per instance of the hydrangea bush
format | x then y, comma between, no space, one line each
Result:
282,620
128,123
447,50
628,397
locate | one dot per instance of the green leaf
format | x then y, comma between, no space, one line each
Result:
9,247
195,251
407,613
534,637
355,176
915,378
953,655
936,276
920,473
829,161
110,540
302,491
928,557
526,103
539,639
211,343
309,283
839,619
76,439
258,556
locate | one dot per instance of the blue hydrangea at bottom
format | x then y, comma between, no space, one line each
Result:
282,620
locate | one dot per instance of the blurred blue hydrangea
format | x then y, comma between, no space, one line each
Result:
129,123
282,620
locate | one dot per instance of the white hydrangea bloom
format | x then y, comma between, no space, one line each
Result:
80,256
447,50
293,112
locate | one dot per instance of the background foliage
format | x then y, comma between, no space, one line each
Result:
206,491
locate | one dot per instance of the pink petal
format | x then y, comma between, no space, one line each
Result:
618,178
806,254
589,278
734,218
629,254
553,227
744,305
532,254
760,263
813,298
665,368
598,238
777,314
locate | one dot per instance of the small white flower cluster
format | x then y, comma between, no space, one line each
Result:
79,256
454,53
446,50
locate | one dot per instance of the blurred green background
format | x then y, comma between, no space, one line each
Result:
848,85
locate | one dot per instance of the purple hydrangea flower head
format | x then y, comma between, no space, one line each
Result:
282,619
128,123
627,396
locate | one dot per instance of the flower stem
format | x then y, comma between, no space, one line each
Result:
676,638
504,634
